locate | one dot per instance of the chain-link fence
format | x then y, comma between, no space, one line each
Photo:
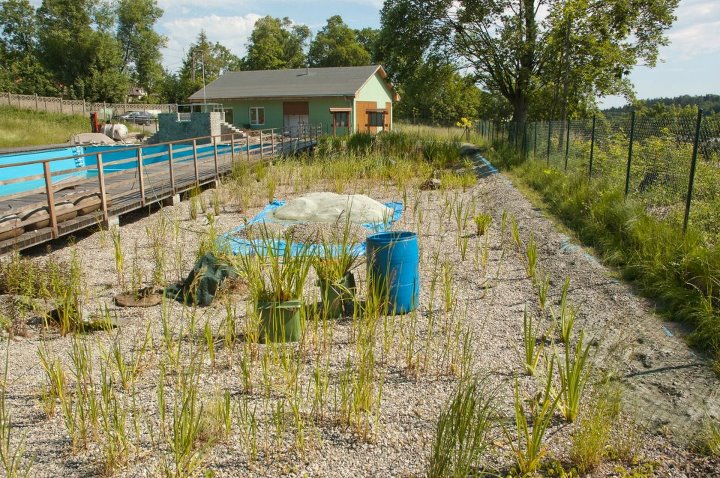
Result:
670,164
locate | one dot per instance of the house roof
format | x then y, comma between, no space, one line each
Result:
296,83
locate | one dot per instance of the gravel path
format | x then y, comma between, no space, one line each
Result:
669,389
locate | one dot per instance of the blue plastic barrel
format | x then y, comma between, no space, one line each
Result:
394,269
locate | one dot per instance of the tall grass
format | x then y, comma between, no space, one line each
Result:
29,128
462,431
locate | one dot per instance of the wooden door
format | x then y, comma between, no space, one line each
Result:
361,117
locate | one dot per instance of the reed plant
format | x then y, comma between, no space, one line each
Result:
574,372
462,432
188,445
567,313
531,257
543,286
482,223
533,350
531,425
119,255
590,440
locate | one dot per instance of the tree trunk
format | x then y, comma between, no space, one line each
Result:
520,111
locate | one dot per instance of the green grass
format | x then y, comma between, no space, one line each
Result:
682,272
31,128
462,432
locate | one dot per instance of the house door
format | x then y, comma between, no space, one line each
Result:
228,115
296,125
296,117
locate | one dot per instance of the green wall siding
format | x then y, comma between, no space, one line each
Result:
375,89
241,113
319,112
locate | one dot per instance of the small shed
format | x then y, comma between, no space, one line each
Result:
341,99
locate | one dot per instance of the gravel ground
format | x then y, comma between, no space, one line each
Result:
669,389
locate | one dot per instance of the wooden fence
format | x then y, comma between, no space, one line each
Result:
60,105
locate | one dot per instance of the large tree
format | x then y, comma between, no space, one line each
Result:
573,49
77,45
20,68
276,44
368,38
450,98
141,44
205,62
337,45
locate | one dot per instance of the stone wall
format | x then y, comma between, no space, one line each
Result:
174,126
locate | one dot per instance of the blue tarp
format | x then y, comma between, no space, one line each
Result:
244,246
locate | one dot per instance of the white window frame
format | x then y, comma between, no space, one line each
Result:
257,115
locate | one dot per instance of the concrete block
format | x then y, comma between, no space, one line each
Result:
171,201
113,221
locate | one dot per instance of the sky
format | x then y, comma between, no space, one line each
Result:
690,64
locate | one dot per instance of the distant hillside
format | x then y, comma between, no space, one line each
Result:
709,103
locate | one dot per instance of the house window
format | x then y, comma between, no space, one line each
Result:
257,115
341,119
376,118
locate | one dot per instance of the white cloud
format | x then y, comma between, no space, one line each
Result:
695,40
231,31
693,10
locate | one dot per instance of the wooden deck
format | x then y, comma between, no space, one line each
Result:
41,215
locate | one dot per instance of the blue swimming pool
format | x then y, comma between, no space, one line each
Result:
112,155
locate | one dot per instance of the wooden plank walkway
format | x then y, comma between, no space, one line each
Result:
126,190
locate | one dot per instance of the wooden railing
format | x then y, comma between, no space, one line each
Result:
152,175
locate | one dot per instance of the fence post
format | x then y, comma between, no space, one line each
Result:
567,144
195,163
630,147
215,158
170,165
272,142
141,180
36,102
535,125
247,146
103,196
592,146
548,141
232,149
261,145
693,164
61,104
50,199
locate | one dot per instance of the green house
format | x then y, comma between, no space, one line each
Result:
340,99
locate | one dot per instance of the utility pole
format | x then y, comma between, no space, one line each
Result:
203,74
192,70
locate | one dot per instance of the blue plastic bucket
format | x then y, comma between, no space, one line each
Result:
394,269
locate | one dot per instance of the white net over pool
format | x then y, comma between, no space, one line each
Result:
327,207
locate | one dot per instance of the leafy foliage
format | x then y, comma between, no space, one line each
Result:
276,44
582,48
336,44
